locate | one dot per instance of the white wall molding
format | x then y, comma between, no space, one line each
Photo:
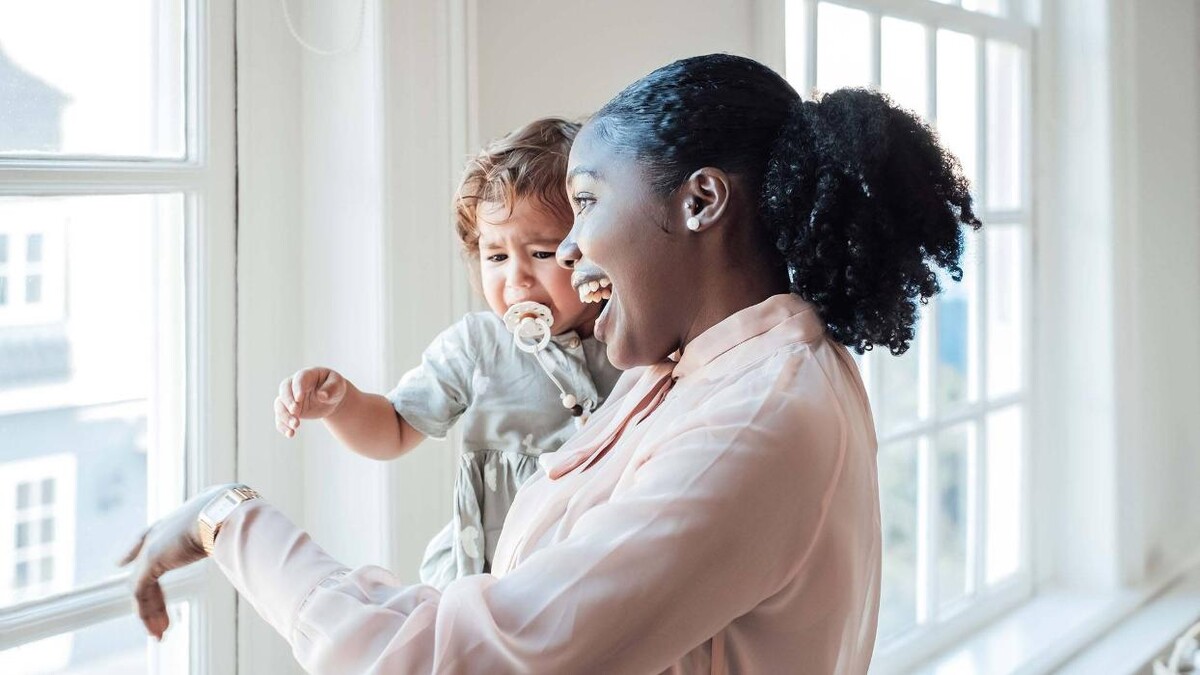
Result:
427,81
270,312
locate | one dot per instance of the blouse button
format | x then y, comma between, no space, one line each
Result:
573,343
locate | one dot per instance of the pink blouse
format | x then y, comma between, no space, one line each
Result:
719,514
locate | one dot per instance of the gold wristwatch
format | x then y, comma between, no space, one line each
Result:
214,514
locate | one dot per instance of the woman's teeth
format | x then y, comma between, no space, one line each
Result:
595,291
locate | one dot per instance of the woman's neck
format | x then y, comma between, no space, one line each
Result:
732,291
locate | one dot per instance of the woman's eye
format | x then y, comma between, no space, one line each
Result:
581,202
543,255
499,257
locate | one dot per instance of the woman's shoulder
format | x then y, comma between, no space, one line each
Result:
806,392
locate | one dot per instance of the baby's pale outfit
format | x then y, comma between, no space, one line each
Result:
509,413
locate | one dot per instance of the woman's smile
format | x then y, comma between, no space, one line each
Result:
594,286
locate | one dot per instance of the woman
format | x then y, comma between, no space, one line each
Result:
720,512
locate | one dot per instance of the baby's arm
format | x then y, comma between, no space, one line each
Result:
370,426
365,423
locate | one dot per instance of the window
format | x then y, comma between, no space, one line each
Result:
32,276
37,511
116,318
950,413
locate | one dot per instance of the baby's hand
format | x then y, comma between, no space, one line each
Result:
311,393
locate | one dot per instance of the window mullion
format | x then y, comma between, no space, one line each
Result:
931,73
810,60
876,50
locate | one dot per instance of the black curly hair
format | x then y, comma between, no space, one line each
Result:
856,195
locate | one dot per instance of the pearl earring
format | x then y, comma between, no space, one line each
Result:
693,223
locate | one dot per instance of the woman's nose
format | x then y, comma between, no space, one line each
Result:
568,253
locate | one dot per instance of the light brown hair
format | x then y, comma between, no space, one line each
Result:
528,162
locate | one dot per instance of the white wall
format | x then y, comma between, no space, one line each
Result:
1118,292
1157,103
568,57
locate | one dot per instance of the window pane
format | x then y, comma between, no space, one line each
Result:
33,289
22,535
114,647
1003,493
3,249
903,68
899,388
843,47
989,6
1005,308
956,97
80,397
33,248
958,358
898,505
951,508
79,77
1004,133
796,44
3,291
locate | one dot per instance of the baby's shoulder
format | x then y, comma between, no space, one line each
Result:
482,334
481,328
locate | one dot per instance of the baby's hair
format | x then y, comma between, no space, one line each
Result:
530,162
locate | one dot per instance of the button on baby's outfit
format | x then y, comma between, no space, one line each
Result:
573,343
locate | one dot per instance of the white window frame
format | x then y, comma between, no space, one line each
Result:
1012,26
200,416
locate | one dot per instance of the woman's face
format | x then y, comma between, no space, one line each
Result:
622,233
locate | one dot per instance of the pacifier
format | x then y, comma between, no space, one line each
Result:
530,323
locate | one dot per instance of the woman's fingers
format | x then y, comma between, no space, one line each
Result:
152,605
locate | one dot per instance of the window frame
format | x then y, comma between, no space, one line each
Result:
204,408
1015,26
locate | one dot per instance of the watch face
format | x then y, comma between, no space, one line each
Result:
217,511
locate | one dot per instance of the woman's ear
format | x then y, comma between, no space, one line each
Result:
704,199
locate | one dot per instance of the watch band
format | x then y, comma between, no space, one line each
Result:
213,515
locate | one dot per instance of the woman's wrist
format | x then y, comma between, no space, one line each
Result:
218,509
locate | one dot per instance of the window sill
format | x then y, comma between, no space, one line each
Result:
1075,632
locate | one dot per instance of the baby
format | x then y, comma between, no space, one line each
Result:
518,380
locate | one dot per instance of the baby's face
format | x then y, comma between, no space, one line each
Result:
517,263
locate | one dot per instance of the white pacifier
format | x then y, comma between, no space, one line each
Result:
530,323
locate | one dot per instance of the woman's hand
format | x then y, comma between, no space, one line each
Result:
171,543
311,393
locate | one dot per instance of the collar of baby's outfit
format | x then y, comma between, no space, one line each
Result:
565,337
745,325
